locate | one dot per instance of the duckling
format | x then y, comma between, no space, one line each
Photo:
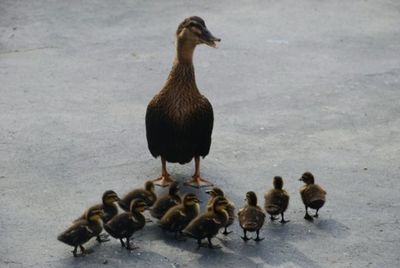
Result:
312,194
179,119
179,216
230,208
251,217
164,203
208,224
276,200
109,209
126,224
147,194
83,230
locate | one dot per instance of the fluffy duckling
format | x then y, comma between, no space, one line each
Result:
147,194
127,223
83,230
251,217
208,224
276,200
164,203
179,216
312,194
230,208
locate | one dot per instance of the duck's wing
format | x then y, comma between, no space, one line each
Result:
156,128
202,126
77,234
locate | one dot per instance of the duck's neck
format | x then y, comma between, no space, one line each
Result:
182,72
138,216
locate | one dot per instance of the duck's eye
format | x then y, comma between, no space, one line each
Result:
195,30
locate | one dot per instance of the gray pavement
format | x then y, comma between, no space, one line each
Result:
295,86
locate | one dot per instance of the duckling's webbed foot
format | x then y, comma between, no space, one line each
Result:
283,221
210,245
273,218
244,237
122,242
226,232
316,214
128,246
258,237
101,239
307,216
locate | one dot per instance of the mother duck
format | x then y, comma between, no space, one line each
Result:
179,119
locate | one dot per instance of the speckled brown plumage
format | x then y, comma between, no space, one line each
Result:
251,217
230,207
147,194
164,203
312,194
276,200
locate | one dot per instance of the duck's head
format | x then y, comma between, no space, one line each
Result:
307,178
149,186
278,182
251,198
110,197
138,205
220,203
190,200
94,214
194,30
215,191
174,188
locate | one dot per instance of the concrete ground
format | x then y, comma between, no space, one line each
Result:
295,86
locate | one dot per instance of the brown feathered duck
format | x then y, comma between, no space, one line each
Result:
109,208
209,223
164,203
147,194
179,119
230,207
179,216
83,230
251,217
126,224
276,200
312,194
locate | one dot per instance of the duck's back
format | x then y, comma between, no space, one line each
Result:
179,126
276,201
251,218
77,234
312,193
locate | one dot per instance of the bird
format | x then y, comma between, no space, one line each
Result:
276,200
312,194
251,217
109,210
230,208
147,194
179,216
179,119
83,230
209,223
164,203
126,224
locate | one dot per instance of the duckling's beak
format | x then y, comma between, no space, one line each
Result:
209,39
208,191
301,179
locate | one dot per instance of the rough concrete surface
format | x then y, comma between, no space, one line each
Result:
295,86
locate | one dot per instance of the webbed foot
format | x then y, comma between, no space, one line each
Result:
198,182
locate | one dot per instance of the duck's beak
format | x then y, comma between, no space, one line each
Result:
209,39
301,179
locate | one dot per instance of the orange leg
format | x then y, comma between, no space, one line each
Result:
165,179
197,181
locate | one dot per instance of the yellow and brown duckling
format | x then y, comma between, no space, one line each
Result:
251,217
83,230
179,216
179,119
230,208
208,224
109,208
126,224
164,203
147,194
312,194
277,200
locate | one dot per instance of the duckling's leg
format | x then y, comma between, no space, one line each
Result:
122,242
244,237
225,232
197,181
307,216
74,252
165,178
273,218
283,219
316,213
258,236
